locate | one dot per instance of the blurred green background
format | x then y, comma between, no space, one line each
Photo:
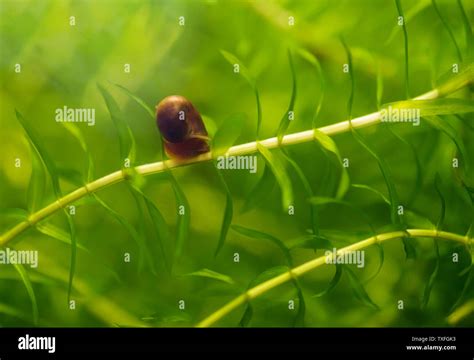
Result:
61,65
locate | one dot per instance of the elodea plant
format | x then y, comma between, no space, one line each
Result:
204,210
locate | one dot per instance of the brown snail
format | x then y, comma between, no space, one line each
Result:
181,128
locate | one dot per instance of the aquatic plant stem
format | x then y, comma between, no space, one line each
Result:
242,149
322,260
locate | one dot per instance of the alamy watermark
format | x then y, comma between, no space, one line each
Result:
240,162
21,257
356,257
391,114
66,114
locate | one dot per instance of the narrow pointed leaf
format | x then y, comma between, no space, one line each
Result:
281,175
206,273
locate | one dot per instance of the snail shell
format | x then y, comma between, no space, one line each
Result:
181,127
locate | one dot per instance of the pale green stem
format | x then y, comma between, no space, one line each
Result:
160,166
315,263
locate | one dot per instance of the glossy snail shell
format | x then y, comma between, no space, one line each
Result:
181,127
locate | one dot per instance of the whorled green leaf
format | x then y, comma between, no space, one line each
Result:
148,110
129,227
306,186
309,241
285,120
468,32
448,29
46,163
206,273
247,316
37,185
358,288
334,281
259,235
405,42
74,130
446,128
40,150
57,233
393,196
160,226
417,8
227,134
228,214
321,200
439,224
184,218
281,175
322,82
144,247
29,288
330,147
210,125
138,100
373,190
233,60
72,269
262,277
350,101
126,138
418,180
299,318
260,191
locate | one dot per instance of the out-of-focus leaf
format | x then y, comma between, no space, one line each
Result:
260,191
322,83
51,170
29,288
126,139
307,187
299,318
310,242
442,125
183,219
258,235
280,173
467,31
206,273
228,214
145,248
14,213
448,29
57,233
330,147
160,226
227,134
40,151
350,101
358,288
334,281
246,317
148,110
139,101
72,268
233,60
124,222
74,130
439,224
405,42
285,120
